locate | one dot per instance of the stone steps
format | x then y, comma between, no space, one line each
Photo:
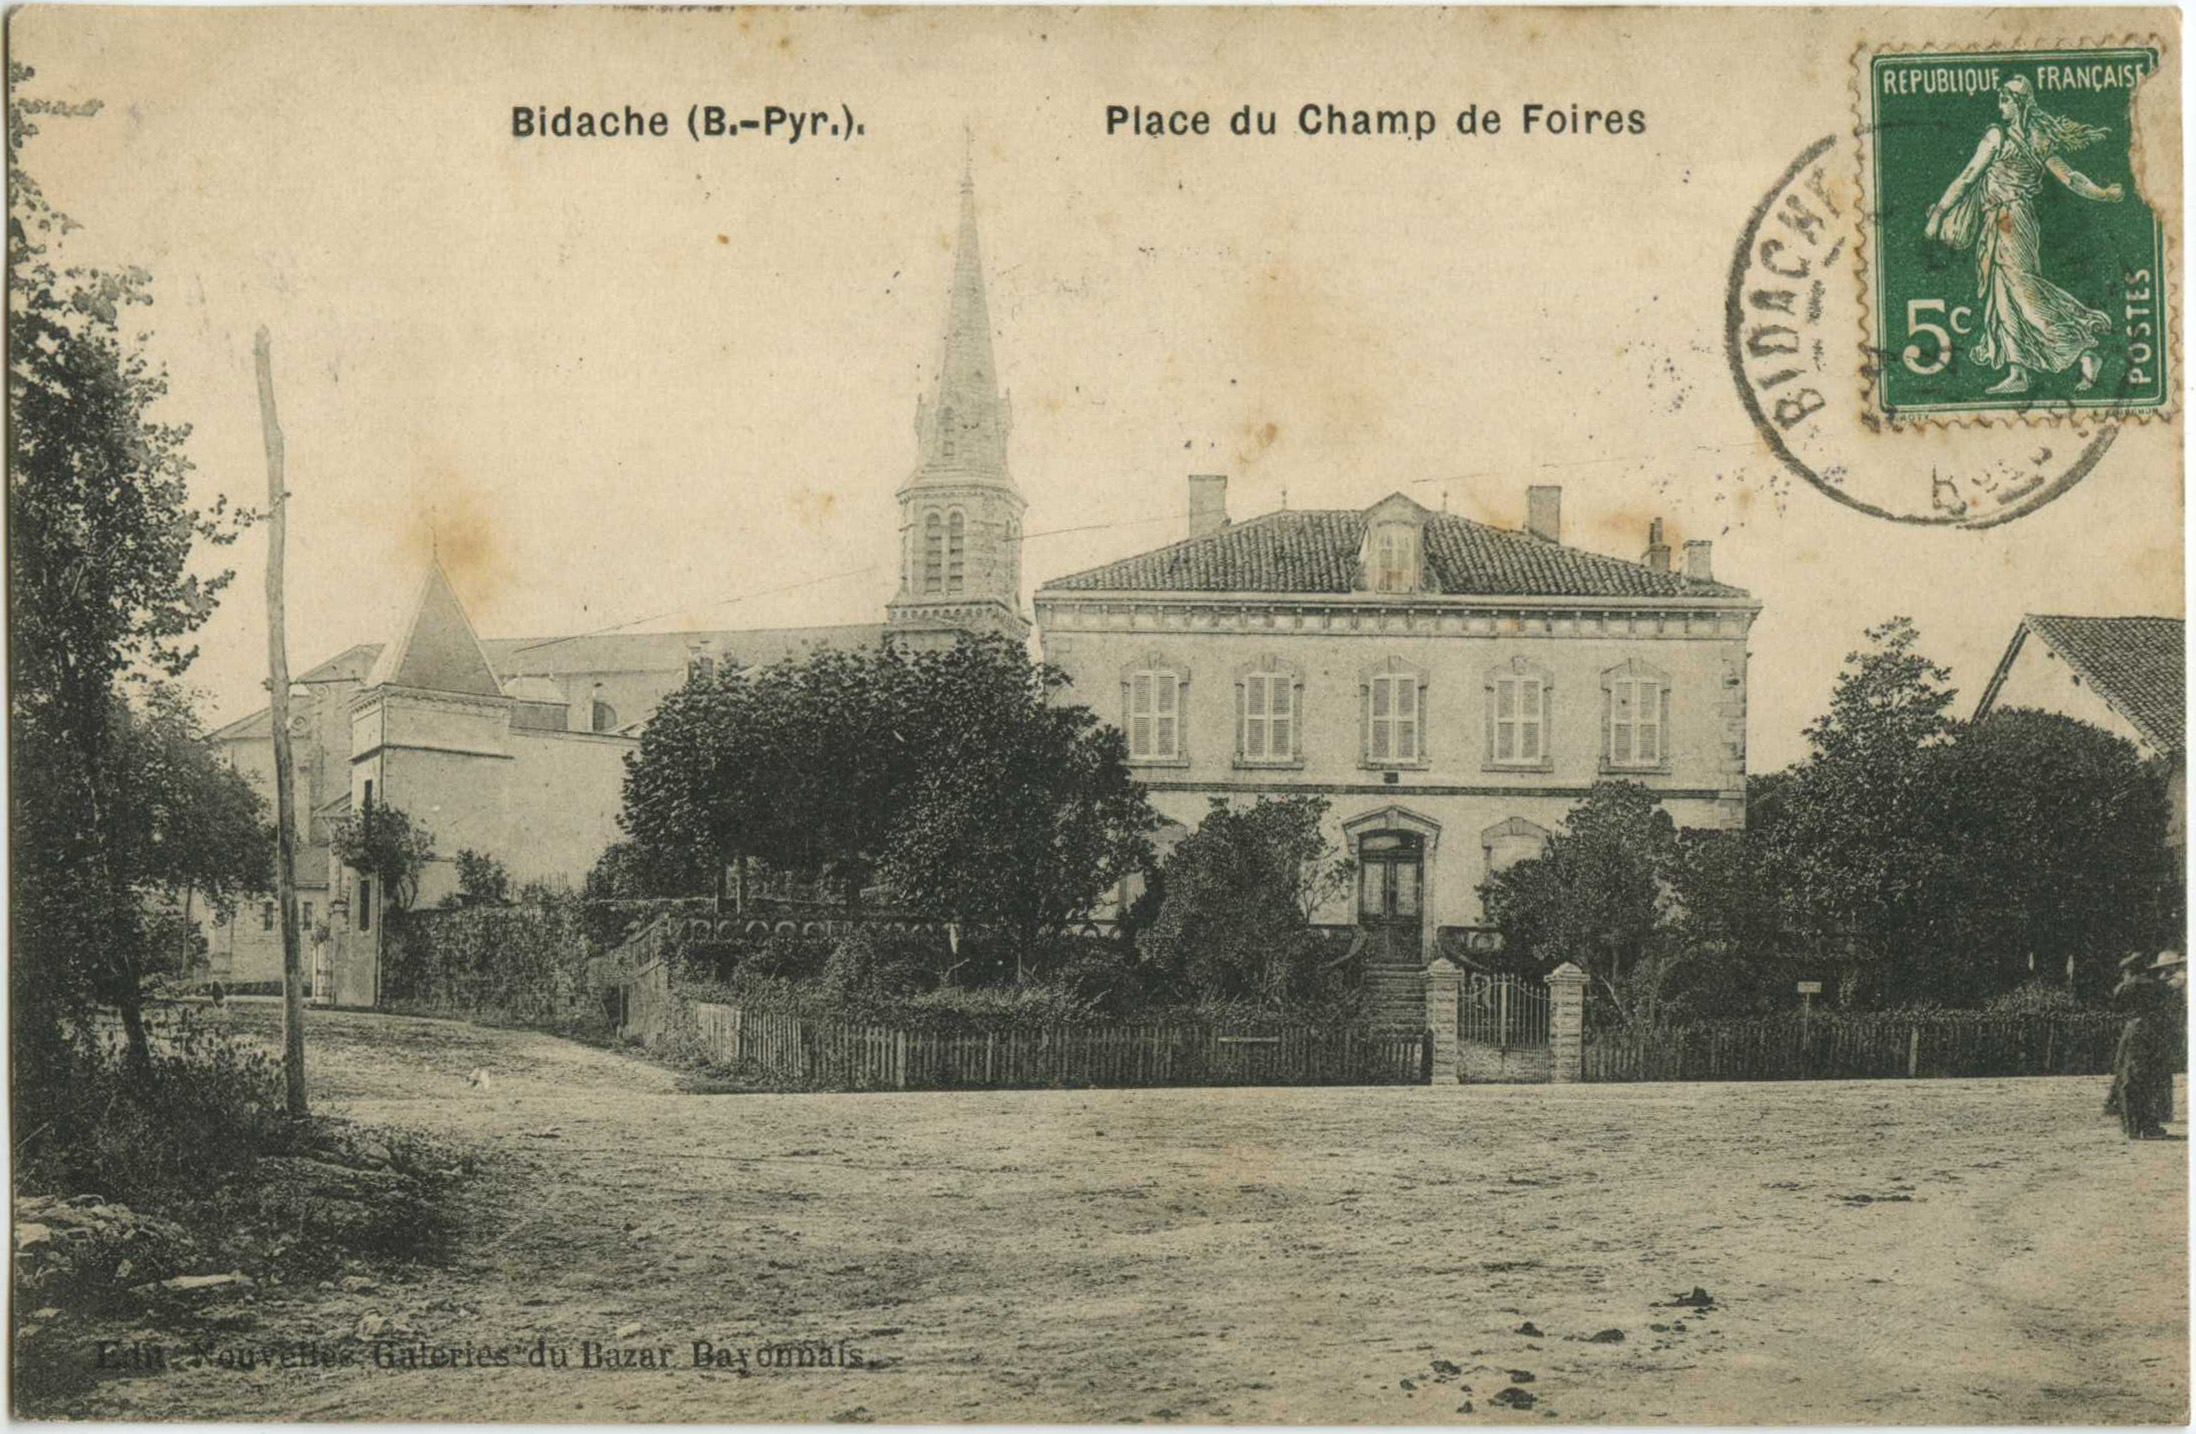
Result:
1398,992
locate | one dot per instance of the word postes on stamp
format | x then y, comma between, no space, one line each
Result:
2013,270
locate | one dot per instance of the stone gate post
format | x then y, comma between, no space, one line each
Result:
1444,979
1567,1023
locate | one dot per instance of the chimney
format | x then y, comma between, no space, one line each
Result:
1657,555
1697,564
1208,494
1544,511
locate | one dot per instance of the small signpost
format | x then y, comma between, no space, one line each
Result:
1809,990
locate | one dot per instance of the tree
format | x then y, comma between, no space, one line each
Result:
1241,891
628,871
957,774
795,764
1855,841
2054,857
101,537
382,842
1601,895
482,880
201,832
1021,812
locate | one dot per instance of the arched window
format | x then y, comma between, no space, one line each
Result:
933,553
948,440
606,716
956,552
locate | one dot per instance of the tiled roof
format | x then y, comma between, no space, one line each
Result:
2137,664
352,665
1316,551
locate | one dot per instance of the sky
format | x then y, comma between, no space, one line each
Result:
663,384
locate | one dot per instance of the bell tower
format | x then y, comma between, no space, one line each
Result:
960,513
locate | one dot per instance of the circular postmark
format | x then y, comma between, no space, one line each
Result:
1796,339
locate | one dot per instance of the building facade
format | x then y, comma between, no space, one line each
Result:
515,747
1452,688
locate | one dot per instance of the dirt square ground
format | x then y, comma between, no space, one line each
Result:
1946,1252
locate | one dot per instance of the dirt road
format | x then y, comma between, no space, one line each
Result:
1935,1251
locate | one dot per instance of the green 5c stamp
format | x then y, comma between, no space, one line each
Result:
2013,270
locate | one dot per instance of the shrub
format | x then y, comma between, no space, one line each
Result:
2037,998
520,965
208,1109
788,956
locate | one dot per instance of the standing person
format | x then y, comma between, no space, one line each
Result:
2028,322
2149,1051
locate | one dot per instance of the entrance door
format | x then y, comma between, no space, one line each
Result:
1391,869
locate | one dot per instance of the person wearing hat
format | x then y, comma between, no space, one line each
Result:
2150,1044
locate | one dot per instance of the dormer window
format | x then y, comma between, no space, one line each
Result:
1392,558
948,440
1395,558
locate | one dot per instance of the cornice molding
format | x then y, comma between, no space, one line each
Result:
1385,615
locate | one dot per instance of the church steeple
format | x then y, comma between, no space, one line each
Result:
960,513
962,428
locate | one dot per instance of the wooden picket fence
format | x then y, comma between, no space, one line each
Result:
849,1055
1858,1048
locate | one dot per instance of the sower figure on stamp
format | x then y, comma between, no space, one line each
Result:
2028,322
2150,1046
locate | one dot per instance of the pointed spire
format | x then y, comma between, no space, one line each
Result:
964,426
437,649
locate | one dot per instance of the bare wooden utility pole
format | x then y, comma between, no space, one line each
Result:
278,691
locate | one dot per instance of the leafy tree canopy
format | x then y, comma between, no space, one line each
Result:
1240,893
1600,893
957,775
101,535
382,842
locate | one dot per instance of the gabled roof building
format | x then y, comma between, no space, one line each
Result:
2128,675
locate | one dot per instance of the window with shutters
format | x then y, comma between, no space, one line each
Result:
933,553
1153,698
1269,715
1394,698
1395,558
1520,727
956,551
1636,718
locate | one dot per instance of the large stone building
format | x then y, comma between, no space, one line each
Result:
1452,688
515,747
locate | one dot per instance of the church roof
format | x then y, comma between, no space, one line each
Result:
667,651
438,651
256,724
1316,551
2138,665
351,665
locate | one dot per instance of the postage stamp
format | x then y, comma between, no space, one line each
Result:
2013,268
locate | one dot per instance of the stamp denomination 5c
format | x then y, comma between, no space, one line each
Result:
2012,269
